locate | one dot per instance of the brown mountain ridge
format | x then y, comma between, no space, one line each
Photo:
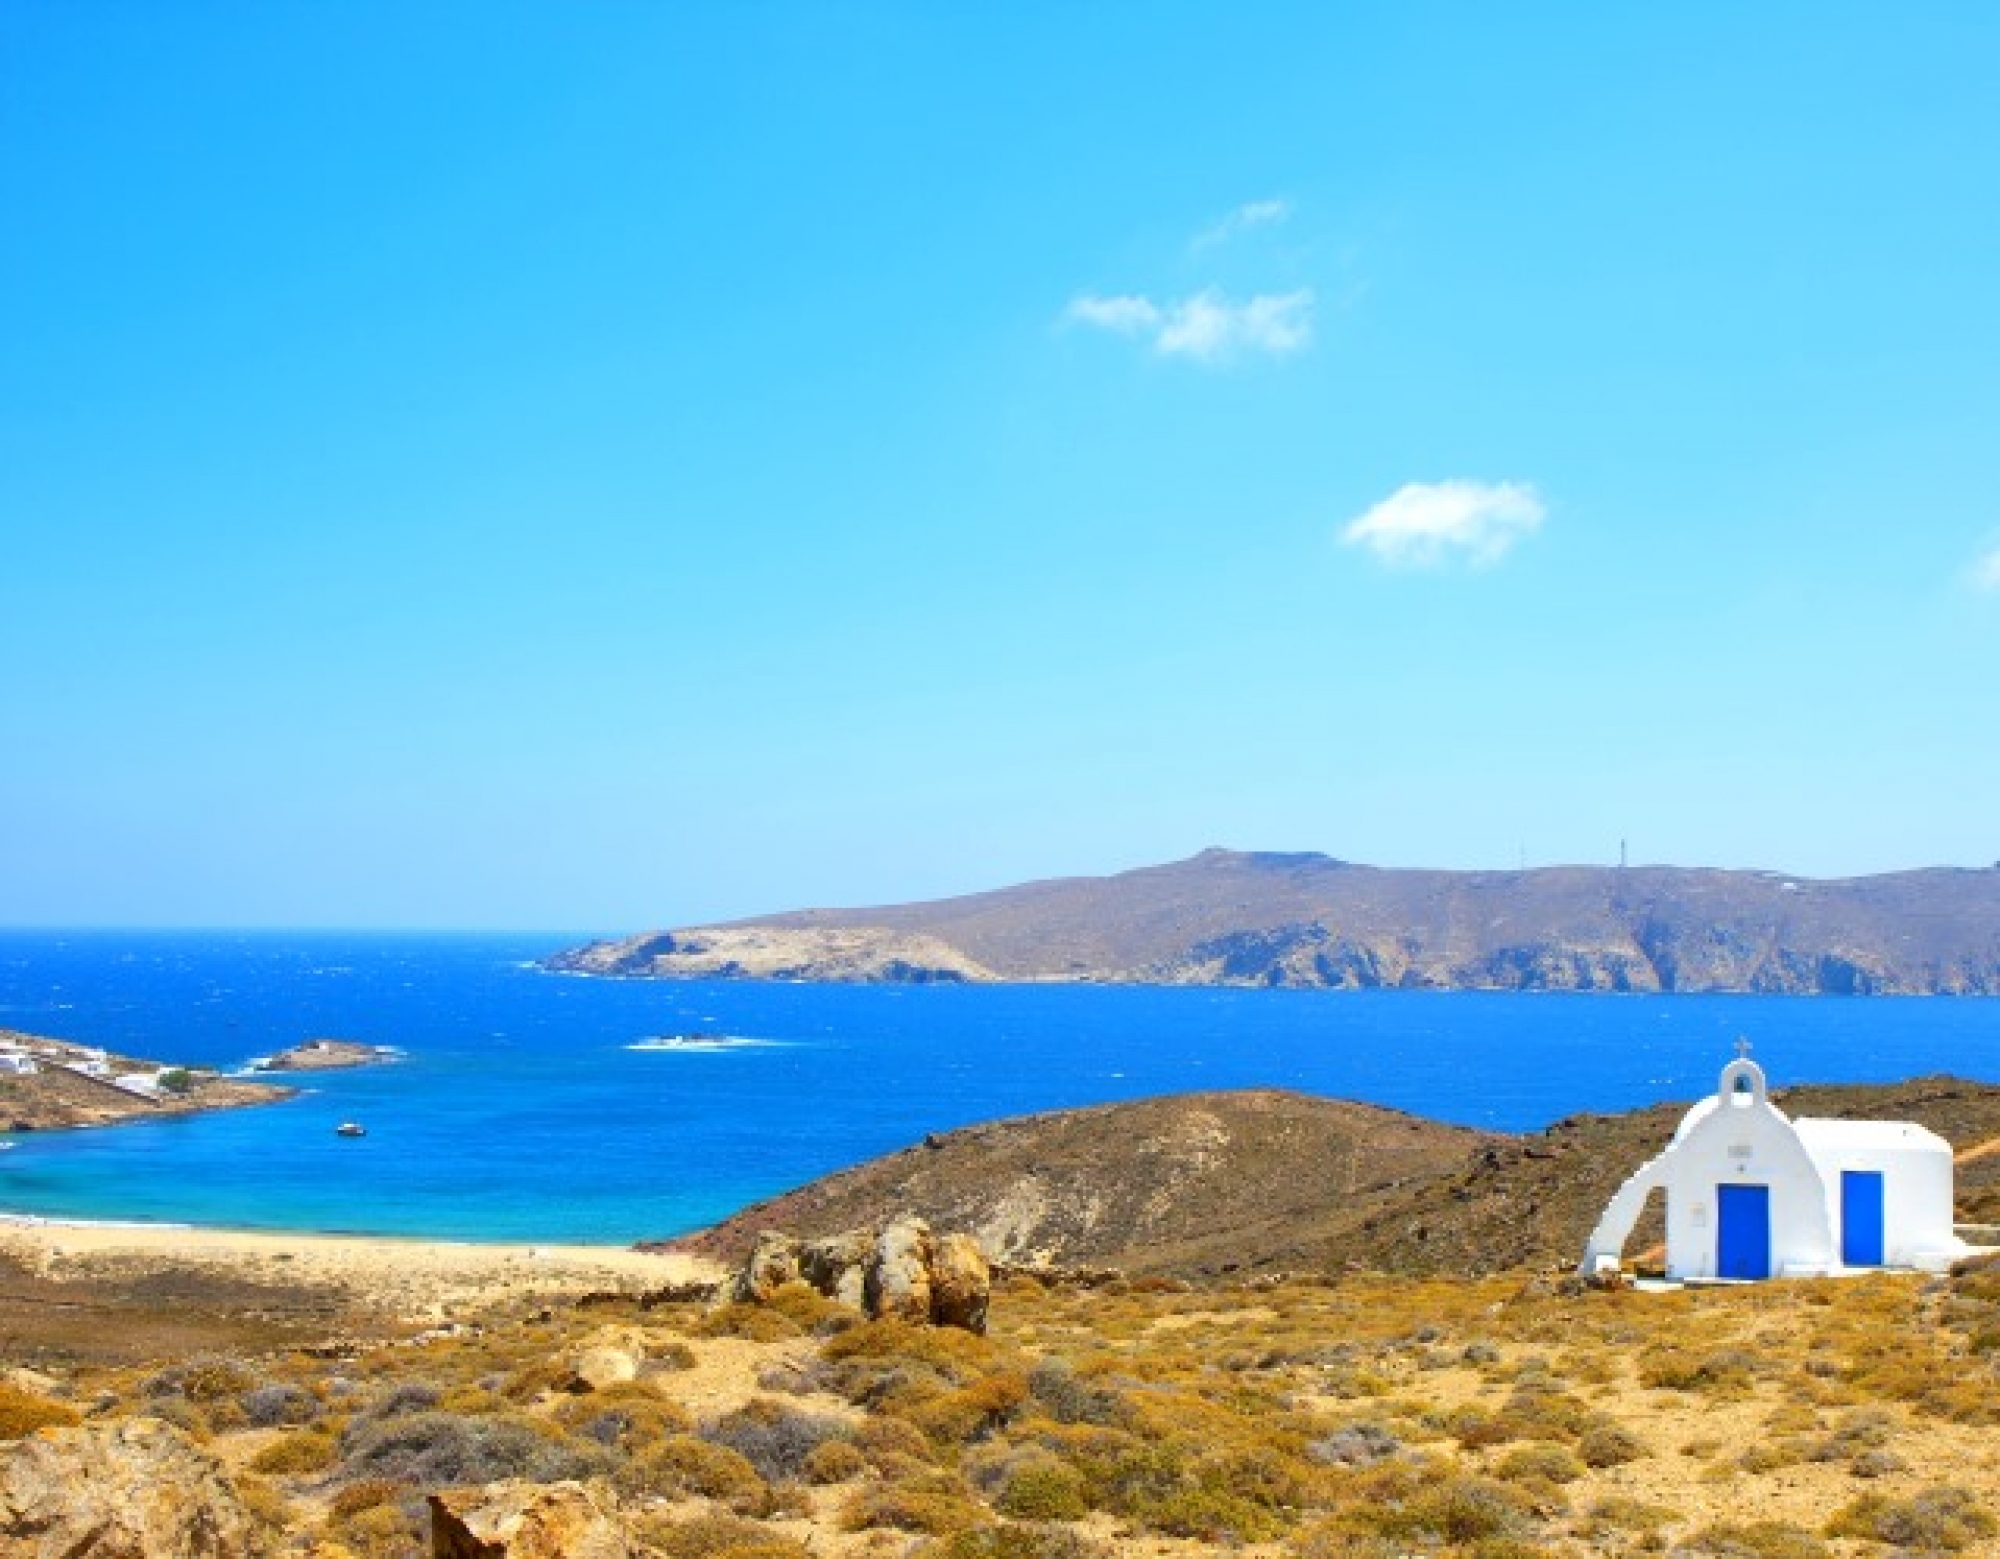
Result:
1258,919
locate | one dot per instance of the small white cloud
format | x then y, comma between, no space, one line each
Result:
1425,524
1255,213
1985,571
1207,327
1127,316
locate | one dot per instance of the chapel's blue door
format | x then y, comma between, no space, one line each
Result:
1742,1231
1861,1217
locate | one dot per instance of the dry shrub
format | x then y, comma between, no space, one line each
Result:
834,1461
1358,1445
1044,1489
365,1494
303,1451
626,1419
209,1378
1541,1462
1009,1540
278,1404
716,1537
1610,1445
1724,1372
1068,1399
886,1442
685,1465
754,1323
931,1511
1454,1509
23,1412
972,1412
436,1450
774,1437
1945,1518
1623,1513
265,1505
1752,1540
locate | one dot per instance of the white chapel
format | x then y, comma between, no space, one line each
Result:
1752,1193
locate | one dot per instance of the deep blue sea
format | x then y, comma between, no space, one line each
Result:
520,1113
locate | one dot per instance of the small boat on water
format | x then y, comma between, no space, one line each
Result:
350,1129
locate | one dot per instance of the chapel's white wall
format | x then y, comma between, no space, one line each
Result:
1744,1141
1917,1190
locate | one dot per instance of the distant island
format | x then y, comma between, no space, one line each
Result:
327,1055
1235,918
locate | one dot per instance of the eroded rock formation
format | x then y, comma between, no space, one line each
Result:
904,1272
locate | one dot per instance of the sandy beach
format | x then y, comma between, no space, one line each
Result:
105,1289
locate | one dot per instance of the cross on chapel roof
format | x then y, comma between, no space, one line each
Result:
1743,1047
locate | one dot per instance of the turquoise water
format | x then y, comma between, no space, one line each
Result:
520,1113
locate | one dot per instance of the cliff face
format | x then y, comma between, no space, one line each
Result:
1228,918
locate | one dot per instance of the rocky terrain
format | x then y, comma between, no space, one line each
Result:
1232,918
879,1392
71,1085
1215,1185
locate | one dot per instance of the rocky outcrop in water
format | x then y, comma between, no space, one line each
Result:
1229,918
328,1055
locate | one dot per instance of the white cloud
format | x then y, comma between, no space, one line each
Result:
1128,316
1207,327
1254,213
1426,524
1985,571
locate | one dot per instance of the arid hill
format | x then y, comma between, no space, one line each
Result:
1229,918
1210,1185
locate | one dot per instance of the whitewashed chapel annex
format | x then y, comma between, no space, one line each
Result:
1752,1193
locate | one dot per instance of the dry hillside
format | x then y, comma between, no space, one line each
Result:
1205,1185
1232,918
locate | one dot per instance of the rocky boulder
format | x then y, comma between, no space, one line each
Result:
610,1356
525,1521
902,1272
140,1489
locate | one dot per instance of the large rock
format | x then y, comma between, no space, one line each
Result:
610,1356
524,1521
140,1489
961,1282
899,1284
904,1272
773,1264
838,1266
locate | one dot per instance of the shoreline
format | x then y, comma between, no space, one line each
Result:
409,1279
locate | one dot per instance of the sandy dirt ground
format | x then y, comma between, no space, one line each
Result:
104,1292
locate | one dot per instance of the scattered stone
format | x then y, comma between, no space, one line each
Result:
140,1489
524,1521
609,1357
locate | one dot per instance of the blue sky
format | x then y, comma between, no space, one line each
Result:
558,466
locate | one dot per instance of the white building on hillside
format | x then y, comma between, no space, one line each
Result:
1752,1193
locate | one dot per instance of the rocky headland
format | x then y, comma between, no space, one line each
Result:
49,1084
1304,920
